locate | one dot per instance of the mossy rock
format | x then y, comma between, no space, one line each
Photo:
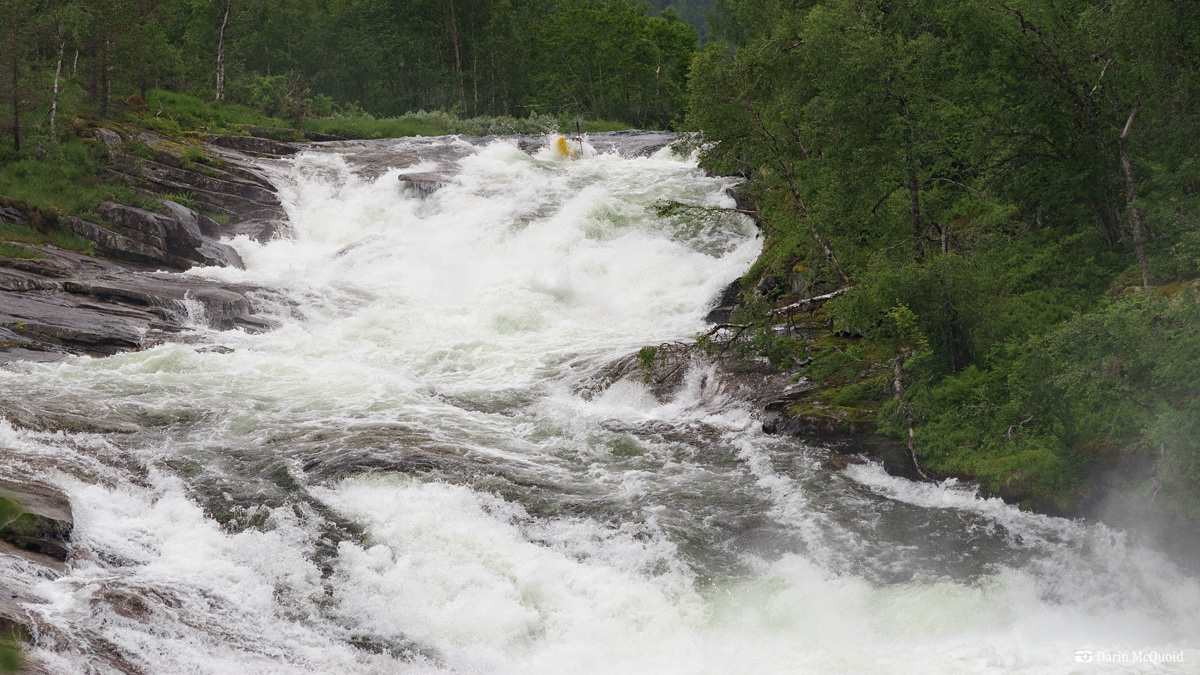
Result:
36,518
820,417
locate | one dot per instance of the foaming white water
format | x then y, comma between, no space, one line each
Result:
416,473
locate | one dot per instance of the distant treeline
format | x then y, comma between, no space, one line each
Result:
1010,189
603,59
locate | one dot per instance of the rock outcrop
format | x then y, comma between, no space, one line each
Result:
175,240
68,303
126,296
36,523
36,519
230,184
422,184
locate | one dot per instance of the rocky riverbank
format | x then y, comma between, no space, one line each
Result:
128,294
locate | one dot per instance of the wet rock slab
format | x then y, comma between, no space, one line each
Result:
36,519
73,304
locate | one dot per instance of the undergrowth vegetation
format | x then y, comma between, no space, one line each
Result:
1014,263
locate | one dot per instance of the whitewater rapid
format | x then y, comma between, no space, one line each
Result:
429,468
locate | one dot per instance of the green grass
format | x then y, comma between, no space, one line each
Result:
181,198
194,160
8,250
62,187
70,184
23,234
183,113
71,242
19,233
138,148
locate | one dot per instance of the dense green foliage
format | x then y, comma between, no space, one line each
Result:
997,173
352,61
695,12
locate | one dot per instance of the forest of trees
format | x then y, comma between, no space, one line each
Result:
603,59
1010,189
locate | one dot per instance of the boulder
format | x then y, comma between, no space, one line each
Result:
208,227
179,237
14,619
423,184
276,133
260,230
69,303
219,187
36,518
175,240
187,219
207,251
222,307
72,303
12,215
259,146
107,136
725,303
115,245
53,267
222,255
17,280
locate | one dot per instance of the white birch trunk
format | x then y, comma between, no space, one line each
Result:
221,51
62,46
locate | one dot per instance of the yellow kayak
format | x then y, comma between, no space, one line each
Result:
565,149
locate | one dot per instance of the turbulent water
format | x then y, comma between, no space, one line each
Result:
428,468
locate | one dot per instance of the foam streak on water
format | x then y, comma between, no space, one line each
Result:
426,468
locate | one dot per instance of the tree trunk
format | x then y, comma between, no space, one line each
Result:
106,79
16,72
1135,218
898,390
62,46
100,86
955,338
462,93
221,51
91,64
16,101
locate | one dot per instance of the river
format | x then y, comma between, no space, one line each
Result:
429,468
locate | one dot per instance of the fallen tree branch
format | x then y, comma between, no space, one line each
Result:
808,301
897,245
1019,425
